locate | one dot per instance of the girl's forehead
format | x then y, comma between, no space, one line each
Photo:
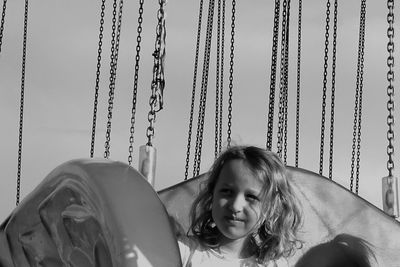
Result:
238,172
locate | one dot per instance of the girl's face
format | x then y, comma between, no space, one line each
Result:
236,205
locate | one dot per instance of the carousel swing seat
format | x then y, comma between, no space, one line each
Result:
104,213
90,213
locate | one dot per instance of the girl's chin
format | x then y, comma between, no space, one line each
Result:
233,234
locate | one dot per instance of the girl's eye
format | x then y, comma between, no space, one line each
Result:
225,191
252,198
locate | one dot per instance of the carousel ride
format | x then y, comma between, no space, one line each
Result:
96,212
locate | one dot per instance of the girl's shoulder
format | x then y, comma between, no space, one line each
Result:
194,254
188,243
282,262
188,247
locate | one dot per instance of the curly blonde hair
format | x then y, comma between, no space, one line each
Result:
281,214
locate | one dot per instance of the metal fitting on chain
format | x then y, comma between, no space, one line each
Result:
147,162
390,196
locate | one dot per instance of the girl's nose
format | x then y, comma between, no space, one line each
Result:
237,204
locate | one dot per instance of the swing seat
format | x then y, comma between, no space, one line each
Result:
103,213
90,213
329,209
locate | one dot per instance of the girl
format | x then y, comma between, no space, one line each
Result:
246,215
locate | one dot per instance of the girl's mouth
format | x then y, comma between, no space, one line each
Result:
233,218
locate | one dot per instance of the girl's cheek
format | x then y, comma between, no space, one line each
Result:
223,202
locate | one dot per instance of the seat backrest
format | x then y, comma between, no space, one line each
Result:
329,209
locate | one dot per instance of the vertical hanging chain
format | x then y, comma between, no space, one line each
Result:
358,101
231,73
111,86
203,94
286,83
196,60
135,82
333,89
282,79
3,16
222,77
321,150
390,87
217,83
21,113
298,84
116,31
96,89
274,56
158,83
363,10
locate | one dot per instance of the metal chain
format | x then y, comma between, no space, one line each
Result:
3,16
390,88
282,79
274,56
333,89
363,10
159,58
116,31
96,89
358,101
158,82
321,151
231,73
111,92
285,117
217,143
222,76
193,90
203,95
286,85
21,113
135,82
298,84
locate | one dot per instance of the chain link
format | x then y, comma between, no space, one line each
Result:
3,16
196,60
274,56
358,102
217,143
111,86
116,32
285,107
333,89
298,85
158,82
222,77
203,94
21,113
390,88
321,151
286,85
283,73
231,73
135,82
96,90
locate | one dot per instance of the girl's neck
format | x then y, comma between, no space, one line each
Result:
239,249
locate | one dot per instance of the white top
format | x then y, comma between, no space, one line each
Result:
194,255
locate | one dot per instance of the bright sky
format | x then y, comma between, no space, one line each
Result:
60,79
